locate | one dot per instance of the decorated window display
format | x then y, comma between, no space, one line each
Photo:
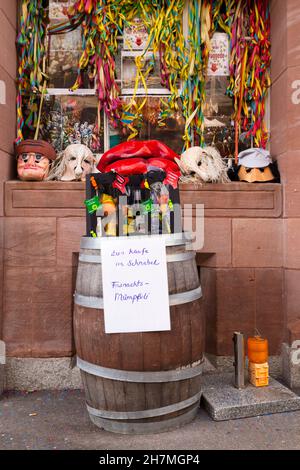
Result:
64,53
188,73
148,70
72,119
149,126
64,50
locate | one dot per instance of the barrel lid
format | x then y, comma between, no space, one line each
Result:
170,239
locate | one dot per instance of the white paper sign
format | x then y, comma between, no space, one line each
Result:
135,284
218,61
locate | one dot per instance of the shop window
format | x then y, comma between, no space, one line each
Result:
72,117
72,120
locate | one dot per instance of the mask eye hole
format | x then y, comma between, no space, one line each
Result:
199,163
261,170
38,157
248,170
86,161
24,157
72,158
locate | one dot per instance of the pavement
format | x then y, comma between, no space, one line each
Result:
58,420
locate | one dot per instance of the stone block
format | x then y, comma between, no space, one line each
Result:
17,310
288,163
257,243
291,366
69,232
246,300
279,121
217,241
38,306
292,245
8,114
7,41
7,170
44,199
233,200
2,382
30,241
223,401
236,306
269,317
292,294
293,26
30,374
291,197
209,302
9,9
293,107
294,333
279,37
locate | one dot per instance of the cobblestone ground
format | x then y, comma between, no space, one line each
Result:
58,420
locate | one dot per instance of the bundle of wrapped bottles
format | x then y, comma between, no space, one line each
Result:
135,192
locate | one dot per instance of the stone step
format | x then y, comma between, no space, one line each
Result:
223,401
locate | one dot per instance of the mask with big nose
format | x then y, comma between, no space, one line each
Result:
75,163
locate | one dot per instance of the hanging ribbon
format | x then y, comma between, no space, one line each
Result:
31,53
183,61
249,69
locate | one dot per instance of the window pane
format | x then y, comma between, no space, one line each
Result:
171,134
70,120
150,70
64,51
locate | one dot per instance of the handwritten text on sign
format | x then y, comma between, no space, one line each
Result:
135,285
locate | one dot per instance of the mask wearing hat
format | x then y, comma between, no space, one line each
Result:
255,166
34,159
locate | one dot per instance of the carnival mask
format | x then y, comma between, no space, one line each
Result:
203,164
255,166
34,158
255,175
75,162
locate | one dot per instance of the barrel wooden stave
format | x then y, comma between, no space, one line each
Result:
114,395
151,351
182,275
178,349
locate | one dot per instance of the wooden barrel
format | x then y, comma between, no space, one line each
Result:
140,382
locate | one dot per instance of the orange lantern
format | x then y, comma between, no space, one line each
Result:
257,350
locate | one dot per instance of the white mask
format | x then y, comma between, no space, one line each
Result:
75,163
205,164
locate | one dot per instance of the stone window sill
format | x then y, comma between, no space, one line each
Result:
65,199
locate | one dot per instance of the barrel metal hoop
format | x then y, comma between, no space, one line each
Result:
88,302
171,258
145,428
97,259
185,297
140,377
164,410
170,240
174,299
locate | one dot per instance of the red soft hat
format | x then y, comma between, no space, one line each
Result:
36,146
136,148
140,166
128,166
